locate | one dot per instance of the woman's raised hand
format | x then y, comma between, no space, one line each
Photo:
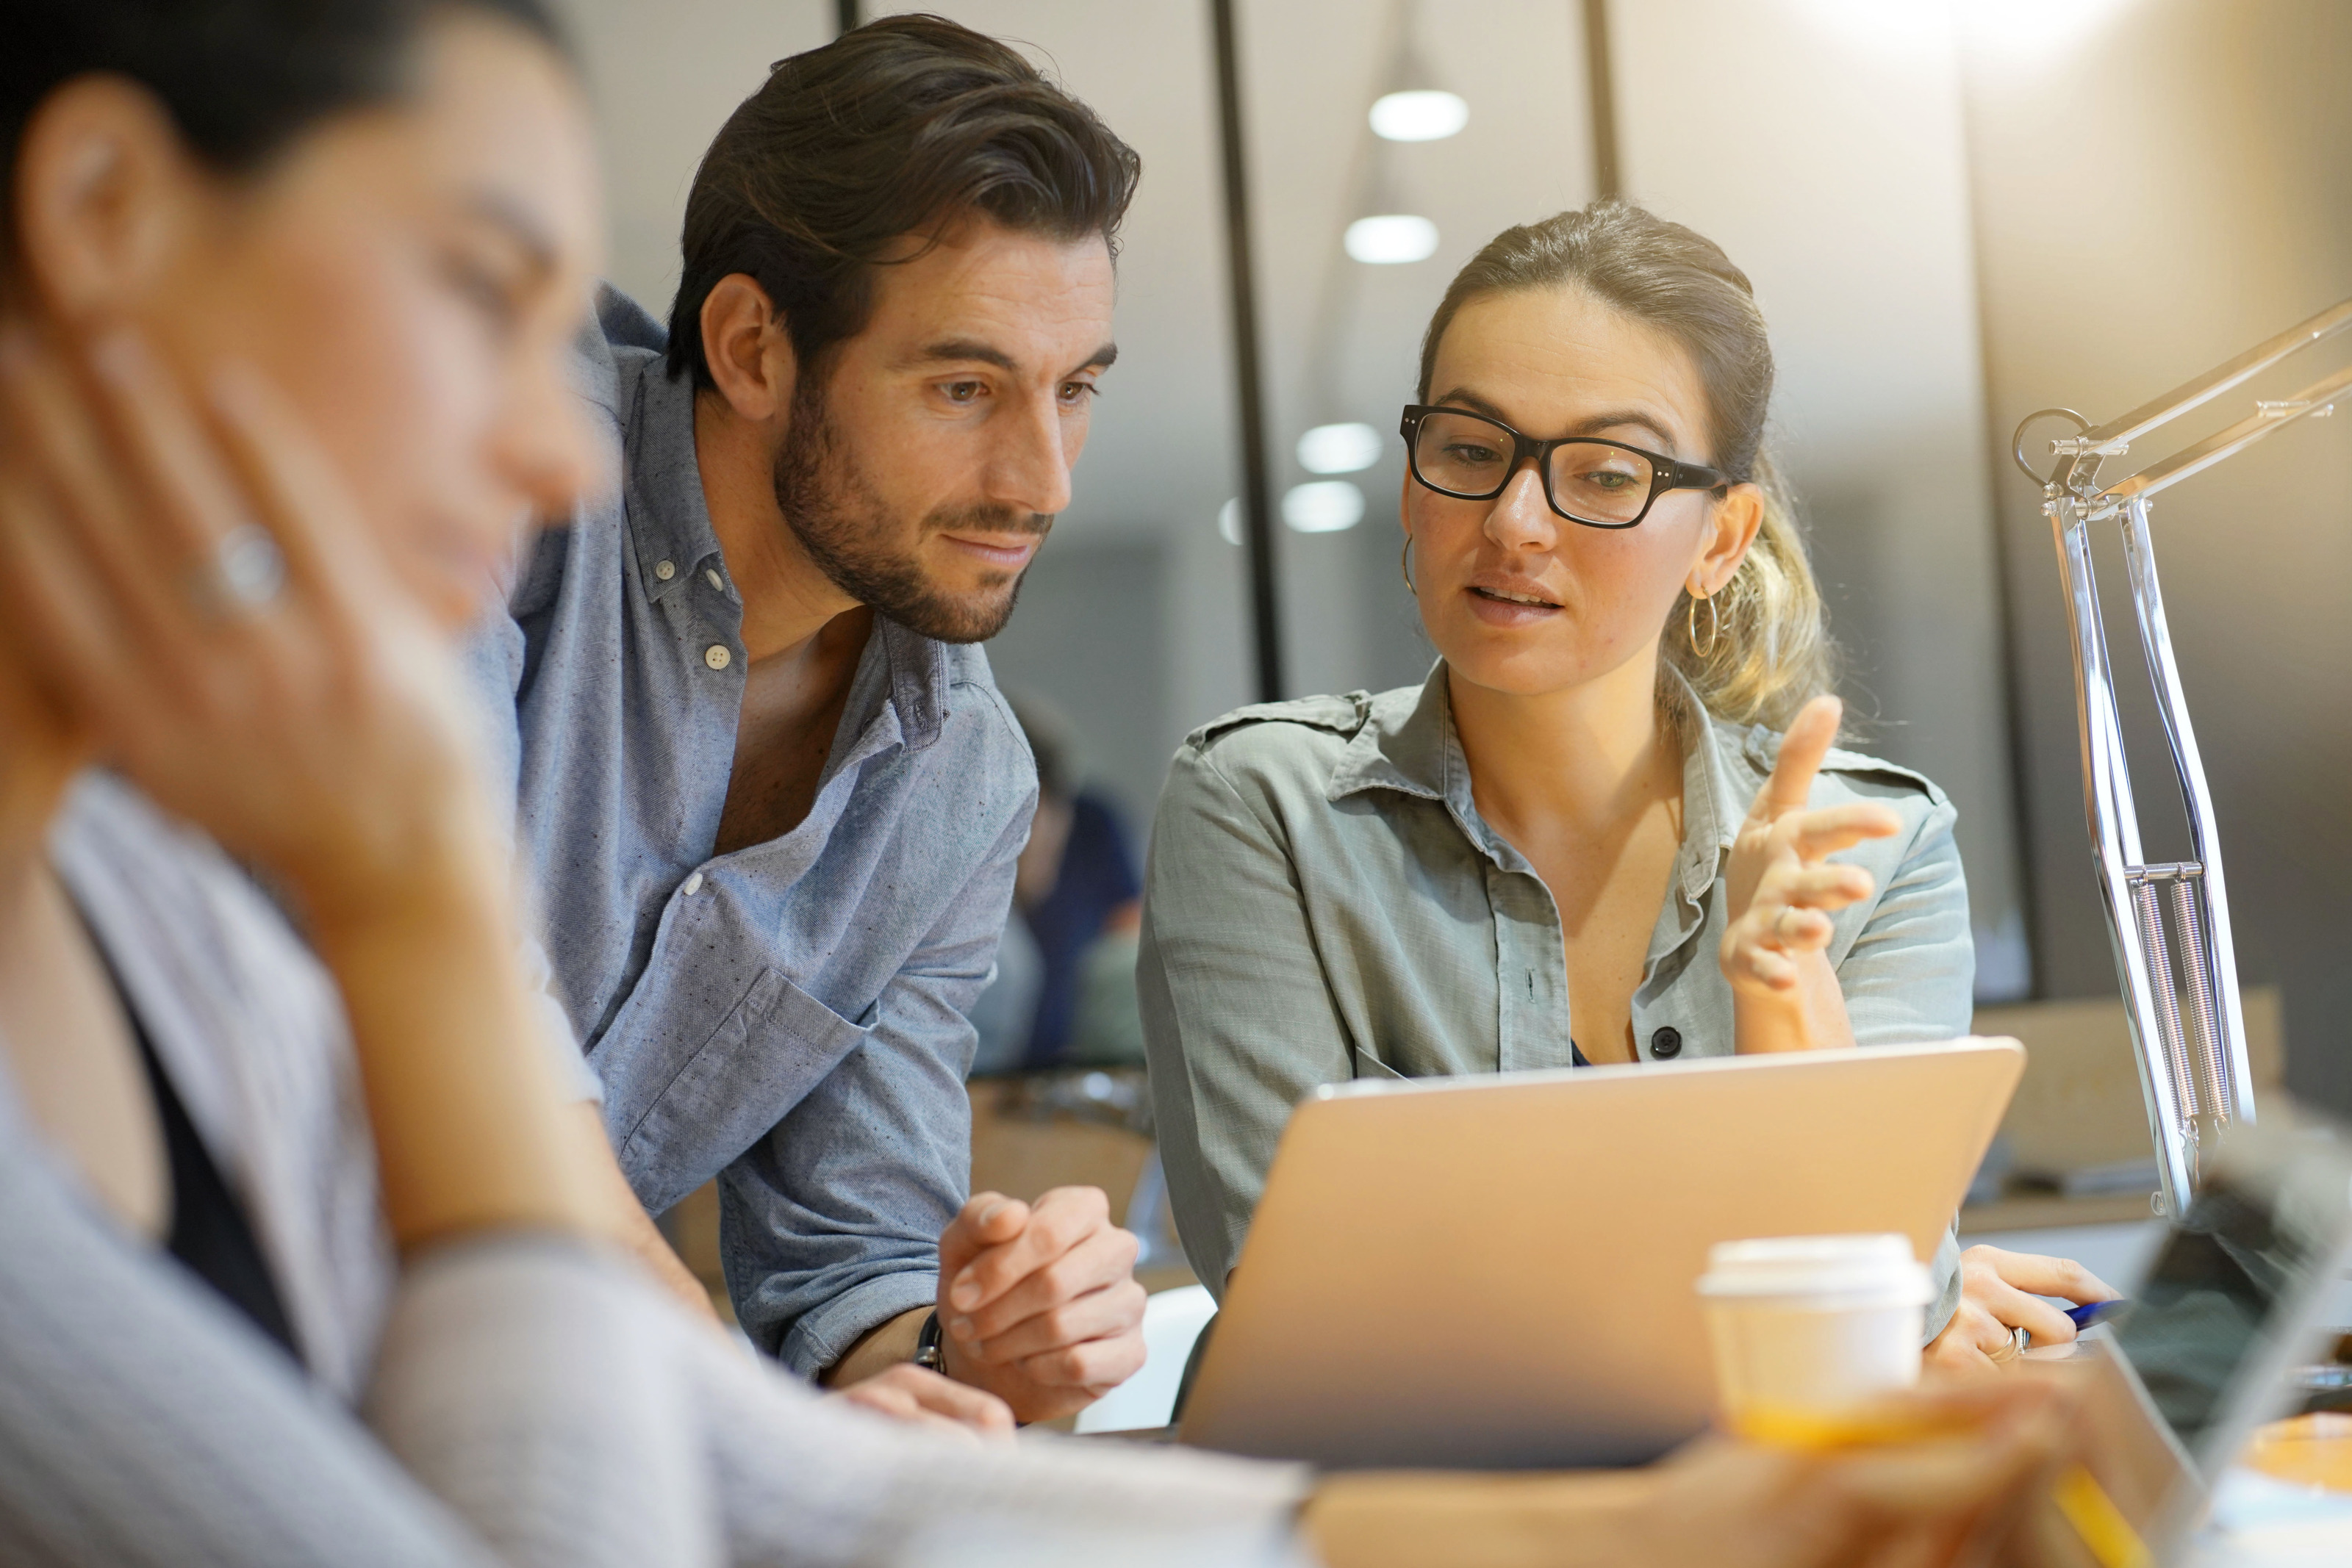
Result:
193,588
1782,889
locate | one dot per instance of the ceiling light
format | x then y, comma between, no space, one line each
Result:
1229,521
1338,448
1325,507
1390,238
1424,116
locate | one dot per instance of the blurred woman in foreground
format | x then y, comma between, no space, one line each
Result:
300,1265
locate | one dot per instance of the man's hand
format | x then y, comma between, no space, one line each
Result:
2000,1293
924,1398
1039,1304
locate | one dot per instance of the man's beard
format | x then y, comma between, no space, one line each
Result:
846,529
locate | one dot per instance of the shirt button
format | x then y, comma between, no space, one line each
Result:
717,581
665,569
692,886
717,657
1666,1044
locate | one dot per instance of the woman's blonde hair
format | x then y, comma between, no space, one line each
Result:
1772,653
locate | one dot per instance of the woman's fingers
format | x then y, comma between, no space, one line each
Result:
2043,1276
1814,886
301,499
58,619
1817,835
67,490
1750,954
1807,740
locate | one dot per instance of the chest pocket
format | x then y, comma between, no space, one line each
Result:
764,1059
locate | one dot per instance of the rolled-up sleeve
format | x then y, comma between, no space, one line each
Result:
830,1225
1238,1021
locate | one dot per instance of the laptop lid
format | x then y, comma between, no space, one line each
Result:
1499,1272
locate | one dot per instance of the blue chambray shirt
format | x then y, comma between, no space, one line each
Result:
790,1018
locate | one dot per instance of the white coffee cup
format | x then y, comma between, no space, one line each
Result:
1809,1331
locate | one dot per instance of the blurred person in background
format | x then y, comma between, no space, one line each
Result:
1064,992
768,794
305,1263
1601,830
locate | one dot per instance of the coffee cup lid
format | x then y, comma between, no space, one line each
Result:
1879,1266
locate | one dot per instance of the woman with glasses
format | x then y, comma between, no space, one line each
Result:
1602,830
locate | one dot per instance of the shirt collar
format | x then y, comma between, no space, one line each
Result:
1715,787
1420,754
668,519
670,522
1410,755
921,673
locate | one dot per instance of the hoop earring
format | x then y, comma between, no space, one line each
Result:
1404,565
1714,626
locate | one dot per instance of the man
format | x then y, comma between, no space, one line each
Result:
770,796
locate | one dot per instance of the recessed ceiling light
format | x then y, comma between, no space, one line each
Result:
1390,238
1325,507
1424,116
1338,448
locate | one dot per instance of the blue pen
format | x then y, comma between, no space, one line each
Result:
2084,1317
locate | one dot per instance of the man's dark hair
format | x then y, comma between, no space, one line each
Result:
896,128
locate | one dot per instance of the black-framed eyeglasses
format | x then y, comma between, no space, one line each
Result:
1599,484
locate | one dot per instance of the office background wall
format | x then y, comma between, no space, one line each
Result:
1947,222
2155,191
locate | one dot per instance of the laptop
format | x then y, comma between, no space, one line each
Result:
2238,1296
1499,1272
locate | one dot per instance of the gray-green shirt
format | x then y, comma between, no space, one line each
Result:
1324,902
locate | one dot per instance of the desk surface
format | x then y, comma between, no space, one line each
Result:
2043,1211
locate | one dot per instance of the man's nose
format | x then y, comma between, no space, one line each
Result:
1032,468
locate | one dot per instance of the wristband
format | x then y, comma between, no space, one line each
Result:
929,1351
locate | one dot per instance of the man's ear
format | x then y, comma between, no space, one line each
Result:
747,351
105,195
1732,526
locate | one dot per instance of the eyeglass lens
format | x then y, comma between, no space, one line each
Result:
1463,454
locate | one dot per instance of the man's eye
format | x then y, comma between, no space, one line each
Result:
1463,451
1604,479
964,391
1080,391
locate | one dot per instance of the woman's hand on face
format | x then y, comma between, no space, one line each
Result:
1780,886
2000,1293
194,588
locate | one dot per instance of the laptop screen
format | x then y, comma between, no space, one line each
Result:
2233,1266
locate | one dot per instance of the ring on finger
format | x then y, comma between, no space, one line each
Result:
2018,1340
244,575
